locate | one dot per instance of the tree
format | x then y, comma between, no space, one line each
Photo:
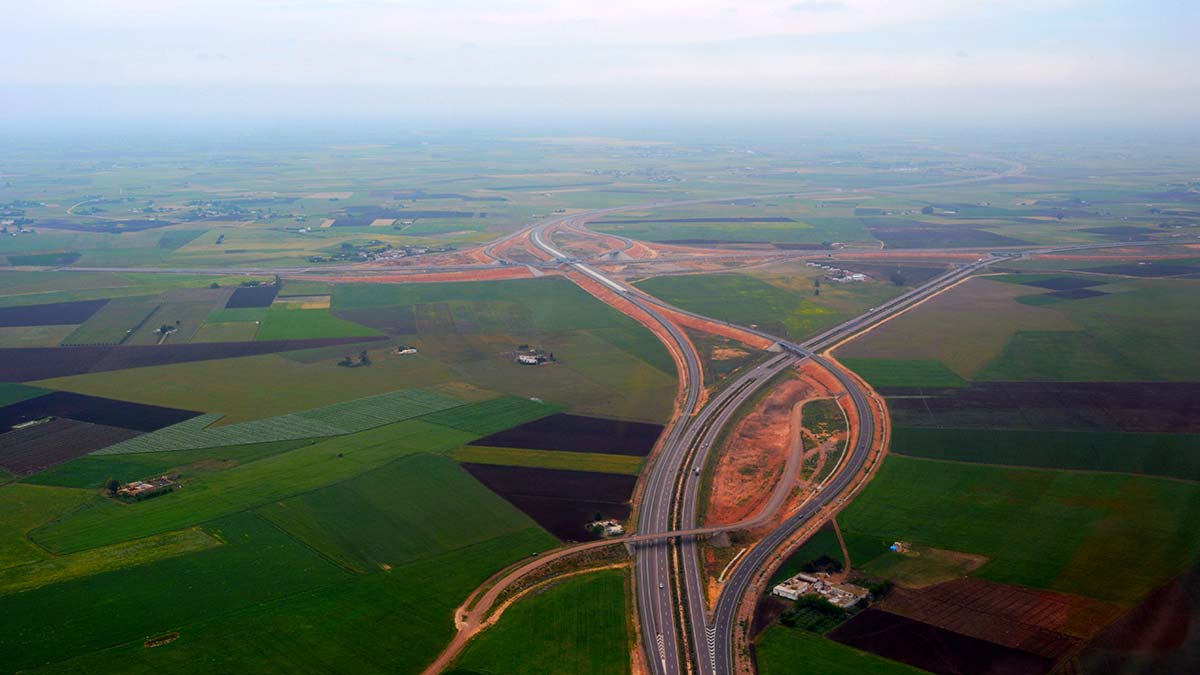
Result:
897,277
214,285
363,358
112,484
928,211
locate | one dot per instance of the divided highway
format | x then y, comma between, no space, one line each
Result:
671,499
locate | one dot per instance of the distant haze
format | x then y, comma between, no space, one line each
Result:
1013,62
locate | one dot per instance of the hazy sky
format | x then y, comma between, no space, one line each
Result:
468,60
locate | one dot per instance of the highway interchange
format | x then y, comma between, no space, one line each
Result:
671,496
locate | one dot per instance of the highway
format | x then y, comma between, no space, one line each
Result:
671,497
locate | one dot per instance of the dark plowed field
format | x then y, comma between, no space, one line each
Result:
252,296
52,314
39,363
1065,283
1077,294
1120,406
94,409
1122,232
1161,634
914,275
40,447
575,433
560,501
1044,623
934,649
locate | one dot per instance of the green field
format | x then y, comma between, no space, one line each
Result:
1046,529
282,323
271,479
778,299
13,392
257,387
115,322
92,471
862,548
1141,331
1153,454
331,420
257,564
26,507
550,459
413,508
231,331
576,626
488,417
904,373
784,651
385,622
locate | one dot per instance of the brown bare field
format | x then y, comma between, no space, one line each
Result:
492,274
752,461
1039,622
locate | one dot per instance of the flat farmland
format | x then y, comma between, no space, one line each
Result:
574,433
185,317
780,648
549,459
1152,454
384,622
114,323
492,416
576,625
1087,406
396,514
246,486
283,323
37,448
902,639
560,501
92,471
778,299
255,387
26,507
910,373
973,323
257,564
232,331
1046,529
34,336
51,314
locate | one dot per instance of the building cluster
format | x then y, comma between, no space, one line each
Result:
839,275
141,489
840,594
606,528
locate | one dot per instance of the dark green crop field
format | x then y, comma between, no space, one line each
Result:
1153,454
1047,529
574,626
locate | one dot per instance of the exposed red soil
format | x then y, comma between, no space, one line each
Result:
522,248
753,459
489,274
1040,622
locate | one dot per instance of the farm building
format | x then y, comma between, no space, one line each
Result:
841,594
141,489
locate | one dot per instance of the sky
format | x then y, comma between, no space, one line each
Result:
1061,62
